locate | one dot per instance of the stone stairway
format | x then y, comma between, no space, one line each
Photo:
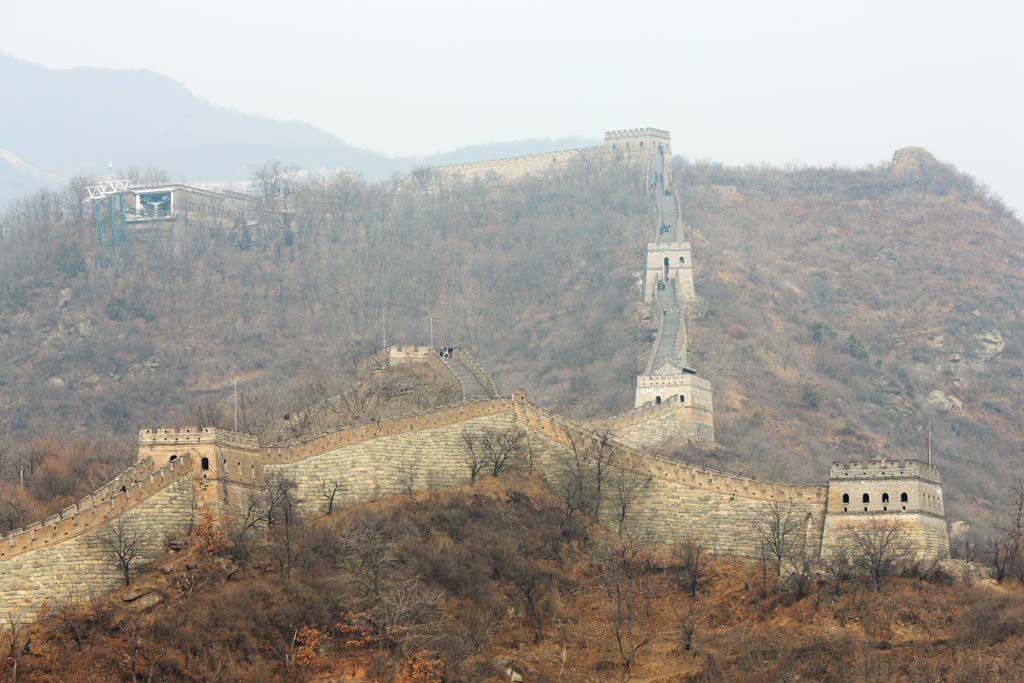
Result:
460,364
669,221
670,327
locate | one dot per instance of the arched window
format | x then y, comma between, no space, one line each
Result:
682,398
885,497
173,458
657,399
866,498
682,260
903,498
205,463
846,497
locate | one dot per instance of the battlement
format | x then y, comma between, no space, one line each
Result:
129,488
407,354
628,133
885,469
181,436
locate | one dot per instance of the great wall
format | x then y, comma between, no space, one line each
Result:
185,473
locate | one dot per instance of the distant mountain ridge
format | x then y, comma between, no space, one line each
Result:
70,121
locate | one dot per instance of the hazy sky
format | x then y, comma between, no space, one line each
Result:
810,82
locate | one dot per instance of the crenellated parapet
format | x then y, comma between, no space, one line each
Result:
122,493
885,469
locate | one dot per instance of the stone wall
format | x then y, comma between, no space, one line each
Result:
681,500
79,567
680,422
923,536
674,501
517,167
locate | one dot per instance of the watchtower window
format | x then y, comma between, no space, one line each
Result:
903,498
866,498
682,260
846,497
682,398
885,497
657,399
205,463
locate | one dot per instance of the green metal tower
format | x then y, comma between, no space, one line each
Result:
112,228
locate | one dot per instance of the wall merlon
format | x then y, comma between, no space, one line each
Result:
636,133
884,468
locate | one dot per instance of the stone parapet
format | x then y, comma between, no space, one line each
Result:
125,491
183,436
875,469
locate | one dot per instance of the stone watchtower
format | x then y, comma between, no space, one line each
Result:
221,460
908,493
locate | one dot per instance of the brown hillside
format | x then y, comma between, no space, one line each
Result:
840,311
460,585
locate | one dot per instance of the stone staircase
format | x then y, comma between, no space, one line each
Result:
668,312
670,327
666,204
475,384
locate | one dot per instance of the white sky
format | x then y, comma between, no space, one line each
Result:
804,81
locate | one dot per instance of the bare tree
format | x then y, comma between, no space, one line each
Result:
369,548
629,485
474,456
625,571
1006,545
686,620
271,509
329,489
408,472
693,560
587,470
494,449
407,613
123,542
878,547
777,530
18,647
208,413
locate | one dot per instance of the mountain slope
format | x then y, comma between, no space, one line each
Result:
839,311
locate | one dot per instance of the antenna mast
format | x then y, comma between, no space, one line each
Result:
929,443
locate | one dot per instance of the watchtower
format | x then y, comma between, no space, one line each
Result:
669,261
639,141
907,492
222,460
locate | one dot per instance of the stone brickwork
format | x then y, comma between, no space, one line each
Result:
80,567
634,142
663,425
514,168
907,493
676,500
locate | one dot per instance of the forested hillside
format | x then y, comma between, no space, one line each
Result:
840,311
